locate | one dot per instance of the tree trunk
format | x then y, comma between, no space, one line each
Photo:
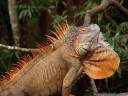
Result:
14,21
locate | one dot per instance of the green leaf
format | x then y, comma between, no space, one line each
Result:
63,3
21,15
100,16
5,54
17,55
25,13
119,72
117,34
29,14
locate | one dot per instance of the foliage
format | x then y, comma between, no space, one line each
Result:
33,8
83,9
7,58
57,19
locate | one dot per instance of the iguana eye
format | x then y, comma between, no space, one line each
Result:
83,30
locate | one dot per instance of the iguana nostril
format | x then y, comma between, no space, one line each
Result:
86,46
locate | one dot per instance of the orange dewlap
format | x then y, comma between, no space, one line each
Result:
102,63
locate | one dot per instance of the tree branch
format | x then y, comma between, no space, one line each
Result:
120,7
104,4
95,91
17,48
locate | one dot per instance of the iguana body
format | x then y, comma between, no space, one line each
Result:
54,69
41,79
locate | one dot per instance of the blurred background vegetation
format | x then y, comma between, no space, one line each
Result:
37,17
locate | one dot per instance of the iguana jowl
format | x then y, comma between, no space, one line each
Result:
57,65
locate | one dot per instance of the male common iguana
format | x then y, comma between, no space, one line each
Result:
56,66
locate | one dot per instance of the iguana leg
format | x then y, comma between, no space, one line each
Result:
70,77
79,72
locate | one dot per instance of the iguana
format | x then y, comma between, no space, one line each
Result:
57,65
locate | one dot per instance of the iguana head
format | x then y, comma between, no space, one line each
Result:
87,38
99,59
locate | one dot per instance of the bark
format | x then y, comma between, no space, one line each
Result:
14,21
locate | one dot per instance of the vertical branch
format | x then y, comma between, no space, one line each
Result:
14,21
104,4
95,91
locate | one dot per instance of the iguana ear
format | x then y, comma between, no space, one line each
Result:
102,63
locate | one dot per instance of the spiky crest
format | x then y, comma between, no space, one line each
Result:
43,49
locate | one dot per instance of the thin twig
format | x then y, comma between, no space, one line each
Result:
95,91
17,48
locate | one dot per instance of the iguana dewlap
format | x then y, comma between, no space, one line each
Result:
102,63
